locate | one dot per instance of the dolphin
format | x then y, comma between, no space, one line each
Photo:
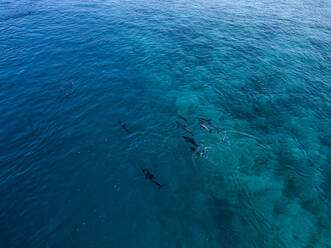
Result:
204,127
193,149
124,126
184,127
183,118
208,122
150,176
190,140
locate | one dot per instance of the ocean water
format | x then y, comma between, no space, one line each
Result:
70,175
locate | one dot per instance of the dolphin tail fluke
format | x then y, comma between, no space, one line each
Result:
161,186
210,131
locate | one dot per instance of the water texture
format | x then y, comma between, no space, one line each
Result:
70,175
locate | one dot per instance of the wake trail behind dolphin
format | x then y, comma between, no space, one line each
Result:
245,134
198,151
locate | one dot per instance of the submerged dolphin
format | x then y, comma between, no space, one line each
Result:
183,118
204,127
193,149
150,176
124,126
184,127
208,122
190,140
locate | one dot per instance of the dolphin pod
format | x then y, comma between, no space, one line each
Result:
194,145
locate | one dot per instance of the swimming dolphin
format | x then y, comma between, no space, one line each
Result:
124,126
150,176
191,140
183,118
208,122
184,127
204,127
193,148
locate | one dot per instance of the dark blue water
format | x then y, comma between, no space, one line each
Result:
70,175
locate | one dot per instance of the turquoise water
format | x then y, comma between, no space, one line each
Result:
70,175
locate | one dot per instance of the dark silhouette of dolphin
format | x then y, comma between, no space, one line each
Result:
193,148
184,127
190,140
124,126
150,176
183,118
208,122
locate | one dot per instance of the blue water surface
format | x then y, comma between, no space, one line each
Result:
70,175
